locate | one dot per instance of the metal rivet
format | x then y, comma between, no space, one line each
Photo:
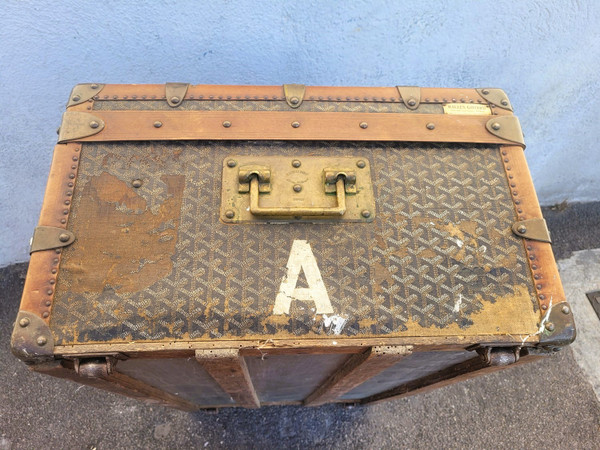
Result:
73,167
295,124
412,102
76,98
544,307
549,326
538,287
361,164
67,202
513,185
364,125
52,281
94,124
294,100
231,163
565,309
94,86
53,270
529,247
63,220
136,183
175,99
24,322
70,184
297,188
522,229
49,292
495,126
71,176
58,251
534,267
296,163
157,124
542,297
532,257
430,126
536,276
504,103
65,211
485,92
46,314
229,214
42,341
227,124
366,214
63,237
48,303
504,152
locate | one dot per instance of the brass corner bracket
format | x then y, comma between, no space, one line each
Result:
48,238
175,93
507,128
558,326
81,93
294,94
533,229
496,97
32,340
76,125
411,96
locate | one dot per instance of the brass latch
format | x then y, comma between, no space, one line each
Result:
303,189
48,238
533,229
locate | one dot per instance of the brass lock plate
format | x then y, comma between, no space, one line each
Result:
304,189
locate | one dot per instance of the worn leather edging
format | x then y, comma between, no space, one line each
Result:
40,283
289,125
544,271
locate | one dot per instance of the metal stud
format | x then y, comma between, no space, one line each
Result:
49,292
295,124
94,124
412,102
229,214
175,99
485,92
294,100
94,86
24,322
565,309
361,164
364,125
158,124
504,103
46,314
48,303
137,183
522,229
495,126
41,341
297,188
366,214
296,163
430,126
549,326
227,124
63,237
231,163
76,98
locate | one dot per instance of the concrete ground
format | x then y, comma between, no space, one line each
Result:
547,404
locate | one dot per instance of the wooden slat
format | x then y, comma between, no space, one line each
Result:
118,383
355,371
277,125
229,370
450,375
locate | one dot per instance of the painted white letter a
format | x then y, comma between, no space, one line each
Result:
302,258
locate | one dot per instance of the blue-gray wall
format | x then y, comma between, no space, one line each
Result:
544,54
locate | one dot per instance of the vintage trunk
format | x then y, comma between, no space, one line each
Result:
211,246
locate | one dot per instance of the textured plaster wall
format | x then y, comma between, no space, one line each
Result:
544,54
